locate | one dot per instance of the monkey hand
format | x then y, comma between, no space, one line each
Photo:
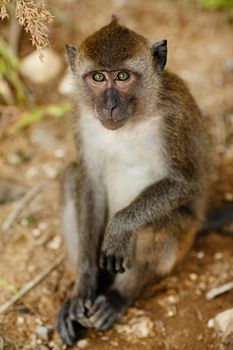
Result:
116,250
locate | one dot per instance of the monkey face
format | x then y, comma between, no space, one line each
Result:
113,94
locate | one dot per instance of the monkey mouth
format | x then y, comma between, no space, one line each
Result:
112,124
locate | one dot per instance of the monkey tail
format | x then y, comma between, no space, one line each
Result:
218,219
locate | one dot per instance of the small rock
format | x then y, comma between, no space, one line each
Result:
114,343
66,85
104,338
45,332
193,276
20,320
223,320
42,226
173,299
59,153
41,72
50,171
42,347
228,196
172,312
31,172
82,344
36,232
200,255
218,256
137,327
55,243
210,323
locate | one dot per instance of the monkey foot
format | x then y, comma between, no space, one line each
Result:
106,310
67,328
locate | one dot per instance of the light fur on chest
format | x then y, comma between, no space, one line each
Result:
125,161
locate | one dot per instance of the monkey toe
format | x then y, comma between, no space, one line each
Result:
78,310
106,310
64,325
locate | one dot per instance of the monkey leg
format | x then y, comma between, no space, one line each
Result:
83,222
157,250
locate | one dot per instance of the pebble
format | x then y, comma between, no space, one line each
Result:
200,255
218,256
20,320
193,276
36,232
44,332
82,344
41,72
223,320
55,243
104,338
137,327
172,312
50,171
173,299
42,347
59,153
210,323
42,226
228,196
114,343
31,172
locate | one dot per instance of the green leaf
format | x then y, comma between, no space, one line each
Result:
38,113
57,111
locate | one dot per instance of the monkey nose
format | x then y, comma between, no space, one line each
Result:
111,109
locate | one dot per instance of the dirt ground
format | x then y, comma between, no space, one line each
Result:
175,311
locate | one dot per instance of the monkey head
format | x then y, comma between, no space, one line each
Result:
114,71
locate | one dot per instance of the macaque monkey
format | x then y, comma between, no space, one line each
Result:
136,196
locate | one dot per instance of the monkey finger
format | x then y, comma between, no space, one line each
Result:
119,265
111,261
102,262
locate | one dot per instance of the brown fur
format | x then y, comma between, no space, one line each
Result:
103,46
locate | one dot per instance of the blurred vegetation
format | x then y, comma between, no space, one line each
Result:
37,113
29,112
216,4
34,17
9,71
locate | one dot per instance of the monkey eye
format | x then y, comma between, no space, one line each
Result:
98,77
122,76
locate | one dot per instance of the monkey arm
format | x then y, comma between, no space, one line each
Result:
157,202
152,205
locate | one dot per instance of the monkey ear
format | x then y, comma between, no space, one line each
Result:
159,52
71,52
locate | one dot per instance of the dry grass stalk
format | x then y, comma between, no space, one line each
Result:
3,10
33,283
34,17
